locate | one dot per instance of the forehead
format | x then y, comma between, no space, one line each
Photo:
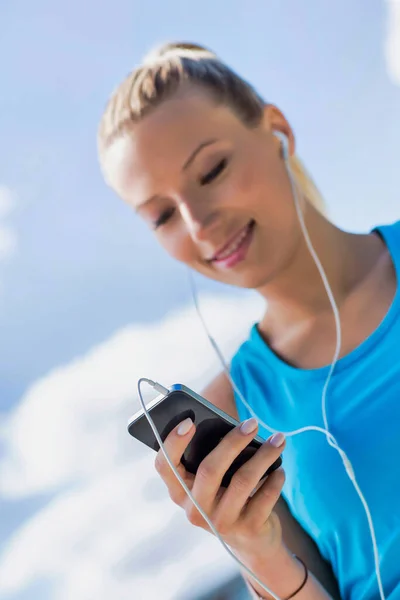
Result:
149,158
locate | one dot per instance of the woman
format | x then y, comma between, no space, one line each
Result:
192,148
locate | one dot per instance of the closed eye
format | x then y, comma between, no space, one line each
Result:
213,174
163,218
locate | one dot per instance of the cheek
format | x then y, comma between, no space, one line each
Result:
179,245
250,183
263,183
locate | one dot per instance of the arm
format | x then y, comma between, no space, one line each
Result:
284,576
286,570
300,543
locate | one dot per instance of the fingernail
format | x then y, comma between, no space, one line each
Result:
249,426
185,426
277,440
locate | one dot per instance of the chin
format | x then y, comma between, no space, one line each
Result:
249,279
252,281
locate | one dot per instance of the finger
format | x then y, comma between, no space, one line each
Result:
175,445
259,508
246,479
213,468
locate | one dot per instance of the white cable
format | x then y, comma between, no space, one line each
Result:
164,390
347,464
330,438
237,390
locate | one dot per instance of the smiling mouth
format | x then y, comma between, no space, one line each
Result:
235,250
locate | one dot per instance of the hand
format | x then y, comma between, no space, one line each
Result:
247,524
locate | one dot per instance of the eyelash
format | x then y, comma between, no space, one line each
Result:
205,180
213,174
163,218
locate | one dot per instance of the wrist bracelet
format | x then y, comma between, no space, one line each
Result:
304,581
298,589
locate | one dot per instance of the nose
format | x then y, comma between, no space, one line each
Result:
199,221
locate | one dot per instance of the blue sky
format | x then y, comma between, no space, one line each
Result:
74,261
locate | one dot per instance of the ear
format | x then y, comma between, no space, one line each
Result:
275,120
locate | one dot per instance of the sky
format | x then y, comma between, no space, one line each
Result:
88,301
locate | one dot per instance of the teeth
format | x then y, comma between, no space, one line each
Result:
234,246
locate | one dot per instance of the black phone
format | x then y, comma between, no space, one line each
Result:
212,424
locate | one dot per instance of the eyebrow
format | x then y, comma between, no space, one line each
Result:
185,166
195,152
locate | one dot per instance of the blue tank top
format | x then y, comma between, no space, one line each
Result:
363,411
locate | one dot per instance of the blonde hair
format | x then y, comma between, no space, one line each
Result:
162,73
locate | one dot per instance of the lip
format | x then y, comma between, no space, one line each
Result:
239,254
229,242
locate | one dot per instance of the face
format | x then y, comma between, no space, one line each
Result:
215,192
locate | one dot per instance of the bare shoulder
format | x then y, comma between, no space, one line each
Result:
220,393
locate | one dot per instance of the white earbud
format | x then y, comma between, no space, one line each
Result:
284,144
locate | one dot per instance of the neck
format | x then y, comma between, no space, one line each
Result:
298,295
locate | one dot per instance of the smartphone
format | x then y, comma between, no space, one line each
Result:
212,424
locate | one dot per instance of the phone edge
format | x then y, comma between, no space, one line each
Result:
176,387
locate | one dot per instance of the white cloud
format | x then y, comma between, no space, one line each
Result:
392,41
8,240
108,538
112,528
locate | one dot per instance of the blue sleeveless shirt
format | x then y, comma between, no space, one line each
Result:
363,411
